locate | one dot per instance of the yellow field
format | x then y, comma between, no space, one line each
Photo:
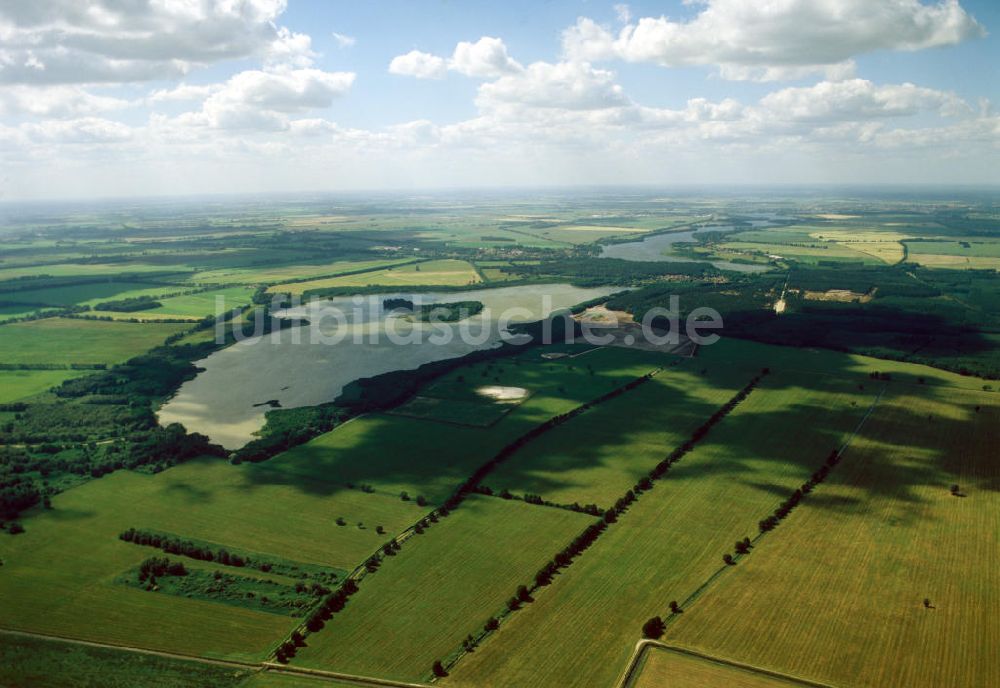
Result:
840,586
936,260
665,668
450,273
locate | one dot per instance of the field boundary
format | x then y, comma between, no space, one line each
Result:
631,672
592,533
322,612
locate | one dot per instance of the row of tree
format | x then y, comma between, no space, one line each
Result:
591,509
591,533
786,507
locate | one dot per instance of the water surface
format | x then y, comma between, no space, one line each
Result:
310,365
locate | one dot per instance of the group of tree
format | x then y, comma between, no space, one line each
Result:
158,567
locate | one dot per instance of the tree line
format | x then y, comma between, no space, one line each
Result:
565,557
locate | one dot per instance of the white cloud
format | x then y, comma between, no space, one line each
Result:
258,99
54,101
343,40
68,41
290,48
859,99
183,93
419,64
564,85
85,130
778,38
487,58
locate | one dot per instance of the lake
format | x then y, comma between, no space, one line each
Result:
348,338
659,246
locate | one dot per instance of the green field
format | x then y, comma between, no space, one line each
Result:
89,294
35,663
20,384
586,460
971,253
192,306
378,449
264,274
443,273
70,340
73,552
883,534
671,540
441,587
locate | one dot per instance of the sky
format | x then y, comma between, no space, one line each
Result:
105,98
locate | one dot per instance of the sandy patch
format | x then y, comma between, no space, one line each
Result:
841,295
498,393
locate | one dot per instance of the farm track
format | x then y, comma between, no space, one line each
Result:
641,647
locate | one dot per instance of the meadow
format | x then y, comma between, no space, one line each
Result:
73,552
442,586
22,384
192,307
69,340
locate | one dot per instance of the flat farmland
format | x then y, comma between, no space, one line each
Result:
20,384
882,534
671,540
444,273
42,663
192,306
663,667
390,452
71,340
586,460
441,587
271,274
957,254
88,294
73,552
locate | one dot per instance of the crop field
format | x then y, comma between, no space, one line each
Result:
662,667
957,254
443,273
813,253
193,306
20,384
377,449
442,586
883,534
89,294
585,461
239,507
671,540
55,664
91,269
266,274
66,340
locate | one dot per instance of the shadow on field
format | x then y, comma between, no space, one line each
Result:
795,430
